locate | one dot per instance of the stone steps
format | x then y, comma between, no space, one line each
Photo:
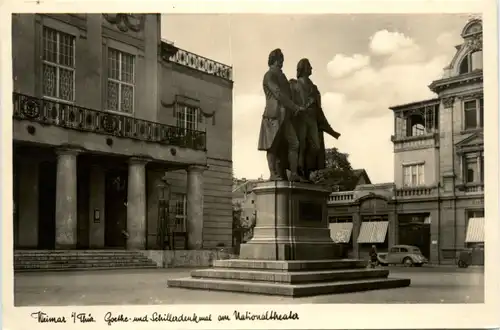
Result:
80,268
31,260
289,278
82,257
290,290
292,265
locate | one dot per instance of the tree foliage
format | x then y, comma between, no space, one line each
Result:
239,222
338,173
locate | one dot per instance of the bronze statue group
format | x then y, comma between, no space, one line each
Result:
293,122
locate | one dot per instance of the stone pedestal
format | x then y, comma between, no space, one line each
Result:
136,204
195,207
291,253
291,223
66,202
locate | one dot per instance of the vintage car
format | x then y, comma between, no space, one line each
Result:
406,255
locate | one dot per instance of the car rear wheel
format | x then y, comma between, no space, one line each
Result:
408,262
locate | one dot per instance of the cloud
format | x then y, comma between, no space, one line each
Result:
358,104
448,39
385,43
342,65
396,47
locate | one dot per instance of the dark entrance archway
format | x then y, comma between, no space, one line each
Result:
47,205
115,208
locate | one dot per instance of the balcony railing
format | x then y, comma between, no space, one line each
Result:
474,188
415,192
174,54
48,112
341,197
429,140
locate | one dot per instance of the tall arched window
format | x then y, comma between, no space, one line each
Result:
471,62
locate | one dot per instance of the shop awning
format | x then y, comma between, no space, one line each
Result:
373,232
475,231
341,232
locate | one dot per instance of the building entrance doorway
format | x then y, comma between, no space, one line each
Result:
47,205
116,208
415,230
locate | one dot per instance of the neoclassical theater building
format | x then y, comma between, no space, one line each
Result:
436,201
109,122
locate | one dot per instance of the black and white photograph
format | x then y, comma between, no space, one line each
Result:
164,158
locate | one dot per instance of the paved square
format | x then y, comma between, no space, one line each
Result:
144,287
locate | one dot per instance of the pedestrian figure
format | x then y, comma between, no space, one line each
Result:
373,257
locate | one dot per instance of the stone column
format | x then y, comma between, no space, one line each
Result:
195,207
435,241
66,202
356,226
392,231
136,204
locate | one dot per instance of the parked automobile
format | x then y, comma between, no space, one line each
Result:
406,255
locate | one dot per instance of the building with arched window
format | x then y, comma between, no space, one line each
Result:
437,199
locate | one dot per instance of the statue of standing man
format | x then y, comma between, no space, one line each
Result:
311,123
277,132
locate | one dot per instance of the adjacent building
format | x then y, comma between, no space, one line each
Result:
120,139
436,201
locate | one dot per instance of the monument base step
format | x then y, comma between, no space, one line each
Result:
289,290
296,278
291,265
290,277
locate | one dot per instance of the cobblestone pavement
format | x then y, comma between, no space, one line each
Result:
143,287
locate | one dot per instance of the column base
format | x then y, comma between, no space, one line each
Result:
65,246
136,246
290,251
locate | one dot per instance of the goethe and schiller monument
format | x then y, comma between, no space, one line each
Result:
291,252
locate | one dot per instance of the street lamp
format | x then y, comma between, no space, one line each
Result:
164,194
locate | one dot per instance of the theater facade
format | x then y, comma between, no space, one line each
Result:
121,140
436,201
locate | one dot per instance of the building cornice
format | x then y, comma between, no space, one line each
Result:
440,85
184,58
415,105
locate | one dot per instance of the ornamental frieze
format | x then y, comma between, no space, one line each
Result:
448,102
475,43
126,22
475,95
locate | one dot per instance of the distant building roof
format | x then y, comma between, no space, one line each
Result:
354,181
362,173
414,104
244,186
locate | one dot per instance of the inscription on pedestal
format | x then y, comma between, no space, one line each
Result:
310,211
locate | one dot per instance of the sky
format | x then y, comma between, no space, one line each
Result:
362,65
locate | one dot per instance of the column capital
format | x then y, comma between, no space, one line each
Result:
197,168
68,150
138,160
448,102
